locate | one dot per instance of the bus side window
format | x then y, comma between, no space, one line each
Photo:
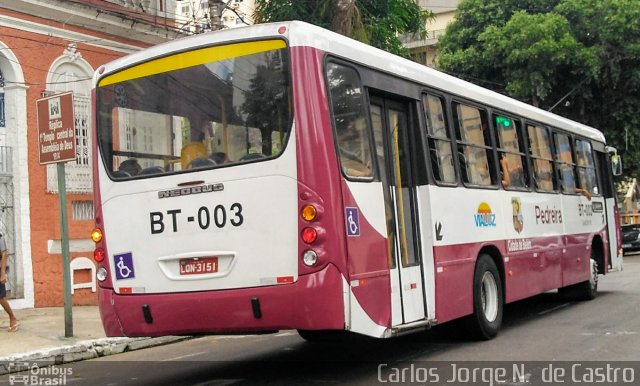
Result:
475,151
511,152
541,158
564,162
586,168
350,124
439,142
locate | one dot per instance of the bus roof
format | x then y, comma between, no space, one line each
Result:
304,34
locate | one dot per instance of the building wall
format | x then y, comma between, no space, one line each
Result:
425,51
40,56
195,16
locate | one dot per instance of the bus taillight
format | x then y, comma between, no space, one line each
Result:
98,254
96,235
310,258
309,235
101,274
309,213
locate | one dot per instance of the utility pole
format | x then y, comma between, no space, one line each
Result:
215,13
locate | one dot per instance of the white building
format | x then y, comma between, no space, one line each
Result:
196,16
158,8
49,47
425,51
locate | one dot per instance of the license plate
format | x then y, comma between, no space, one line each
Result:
626,245
198,265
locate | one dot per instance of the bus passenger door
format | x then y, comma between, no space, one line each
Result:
609,211
391,126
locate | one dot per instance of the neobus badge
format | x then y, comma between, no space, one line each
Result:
190,190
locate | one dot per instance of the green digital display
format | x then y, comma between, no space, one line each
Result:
504,121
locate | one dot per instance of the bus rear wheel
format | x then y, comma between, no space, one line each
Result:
488,300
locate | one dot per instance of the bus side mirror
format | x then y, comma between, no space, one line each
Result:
616,165
616,161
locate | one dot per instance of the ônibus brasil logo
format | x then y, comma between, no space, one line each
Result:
485,217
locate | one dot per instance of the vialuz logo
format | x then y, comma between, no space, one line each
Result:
484,217
191,190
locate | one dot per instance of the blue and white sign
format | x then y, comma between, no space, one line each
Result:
124,266
352,221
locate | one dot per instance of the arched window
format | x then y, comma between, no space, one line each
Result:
70,72
2,116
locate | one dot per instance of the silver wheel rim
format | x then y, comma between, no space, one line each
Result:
489,296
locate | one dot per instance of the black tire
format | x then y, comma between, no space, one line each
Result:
323,335
586,290
488,300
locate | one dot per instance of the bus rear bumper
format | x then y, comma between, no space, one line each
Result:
314,301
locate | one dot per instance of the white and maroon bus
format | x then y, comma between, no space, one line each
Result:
281,176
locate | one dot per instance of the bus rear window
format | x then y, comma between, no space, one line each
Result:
195,110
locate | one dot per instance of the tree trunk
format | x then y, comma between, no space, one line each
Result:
343,20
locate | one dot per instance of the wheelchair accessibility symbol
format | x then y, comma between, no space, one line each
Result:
352,221
124,266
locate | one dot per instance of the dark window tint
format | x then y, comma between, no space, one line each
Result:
354,147
586,167
439,142
541,158
511,153
474,145
564,163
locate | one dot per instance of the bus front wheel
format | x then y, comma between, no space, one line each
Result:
488,300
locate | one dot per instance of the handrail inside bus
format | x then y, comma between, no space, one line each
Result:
136,154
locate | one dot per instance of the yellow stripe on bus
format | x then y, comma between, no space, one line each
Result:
190,59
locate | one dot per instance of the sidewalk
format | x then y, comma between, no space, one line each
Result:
40,337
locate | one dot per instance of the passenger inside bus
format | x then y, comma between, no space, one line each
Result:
219,157
129,167
190,152
506,180
512,175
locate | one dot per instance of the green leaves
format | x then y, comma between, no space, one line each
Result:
581,57
376,22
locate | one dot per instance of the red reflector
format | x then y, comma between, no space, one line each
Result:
309,235
98,254
414,286
282,30
284,280
125,290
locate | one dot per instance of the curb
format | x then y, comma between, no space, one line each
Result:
83,350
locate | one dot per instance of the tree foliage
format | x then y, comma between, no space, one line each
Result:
579,57
375,22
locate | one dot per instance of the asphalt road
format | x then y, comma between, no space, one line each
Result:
537,333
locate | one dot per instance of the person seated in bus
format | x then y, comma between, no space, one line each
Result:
252,156
152,170
201,163
190,152
512,175
130,166
504,168
220,157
